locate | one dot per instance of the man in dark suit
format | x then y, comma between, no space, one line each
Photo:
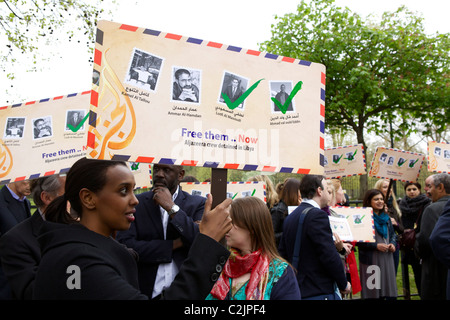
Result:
440,241
14,208
233,90
320,266
20,252
164,229
434,273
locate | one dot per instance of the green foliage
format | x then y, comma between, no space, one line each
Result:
25,25
376,71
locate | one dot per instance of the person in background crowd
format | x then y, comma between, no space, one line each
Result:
320,268
289,196
271,194
394,213
378,253
439,241
428,186
14,208
254,270
412,207
434,273
81,260
19,248
344,248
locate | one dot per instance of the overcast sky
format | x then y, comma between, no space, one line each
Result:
243,23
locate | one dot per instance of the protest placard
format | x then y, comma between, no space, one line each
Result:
344,161
396,164
350,223
42,137
438,157
353,223
234,189
165,98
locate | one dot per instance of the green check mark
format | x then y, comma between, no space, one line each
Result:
283,108
75,129
238,101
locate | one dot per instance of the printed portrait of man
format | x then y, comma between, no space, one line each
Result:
184,87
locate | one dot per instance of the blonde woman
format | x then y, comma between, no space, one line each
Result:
271,194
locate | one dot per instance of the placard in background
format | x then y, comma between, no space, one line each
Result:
360,222
352,223
143,112
344,161
234,189
396,164
438,157
142,174
44,137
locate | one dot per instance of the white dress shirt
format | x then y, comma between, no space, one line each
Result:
166,271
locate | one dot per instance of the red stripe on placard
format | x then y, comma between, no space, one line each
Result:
94,98
214,45
231,166
303,171
91,140
31,102
145,159
323,78
322,110
49,173
189,163
287,59
269,168
128,27
98,57
173,36
322,143
253,52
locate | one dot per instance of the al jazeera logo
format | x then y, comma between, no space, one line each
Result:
6,160
115,121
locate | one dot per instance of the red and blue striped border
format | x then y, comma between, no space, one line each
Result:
32,103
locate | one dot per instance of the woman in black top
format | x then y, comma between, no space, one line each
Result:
82,260
412,207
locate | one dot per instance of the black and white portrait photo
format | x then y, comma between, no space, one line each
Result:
186,84
74,118
144,70
281,90
14,128
42,127
233,86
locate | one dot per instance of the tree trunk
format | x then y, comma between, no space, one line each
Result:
363,179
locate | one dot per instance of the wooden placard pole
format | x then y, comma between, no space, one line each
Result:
218,185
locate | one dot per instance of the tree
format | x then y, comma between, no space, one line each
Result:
25,25
376,72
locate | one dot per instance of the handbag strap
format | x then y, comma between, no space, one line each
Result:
298,238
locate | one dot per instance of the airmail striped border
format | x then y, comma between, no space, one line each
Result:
364,158
402,151
216,45
235,182
32,103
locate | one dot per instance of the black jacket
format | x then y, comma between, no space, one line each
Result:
108,271
320,265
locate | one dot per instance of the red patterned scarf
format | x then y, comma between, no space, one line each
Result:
254,263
